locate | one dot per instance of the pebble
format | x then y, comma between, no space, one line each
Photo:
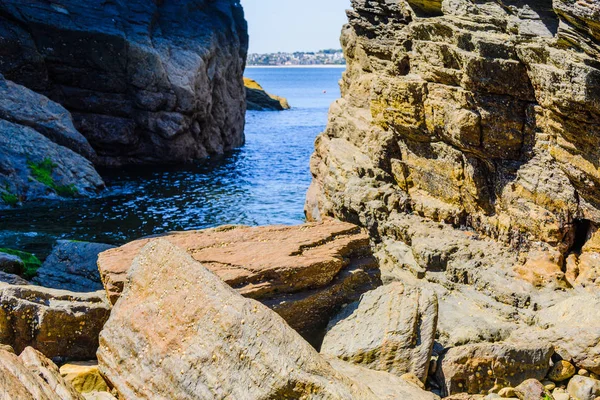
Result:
507,392
549,385
583,372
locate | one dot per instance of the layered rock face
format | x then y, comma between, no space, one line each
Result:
466,142
479,115
146,82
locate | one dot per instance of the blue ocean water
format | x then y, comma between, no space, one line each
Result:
264,182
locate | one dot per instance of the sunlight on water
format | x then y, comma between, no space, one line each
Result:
262,183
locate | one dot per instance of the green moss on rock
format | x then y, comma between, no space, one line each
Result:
42,172
32,263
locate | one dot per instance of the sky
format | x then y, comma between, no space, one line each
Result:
294,25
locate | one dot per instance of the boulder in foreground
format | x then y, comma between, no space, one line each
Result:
305,273
31,376
179,332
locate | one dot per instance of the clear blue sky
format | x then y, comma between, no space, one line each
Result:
294,25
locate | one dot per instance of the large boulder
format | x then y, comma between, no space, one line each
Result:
178,331
31,376
391,329
34,161
60,324
305,273
72,266
146,82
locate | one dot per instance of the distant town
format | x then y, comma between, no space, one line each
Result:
322,57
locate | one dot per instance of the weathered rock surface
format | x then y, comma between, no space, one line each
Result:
146,82
583,388
39,149
384,385
475,115
466,142
305,273
58,323
391,329
209,342
476,368
257,99
31,376
532,389
84,376
72,266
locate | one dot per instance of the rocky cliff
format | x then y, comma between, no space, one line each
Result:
146,82
467,141
480,115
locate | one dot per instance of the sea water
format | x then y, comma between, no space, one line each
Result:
262,183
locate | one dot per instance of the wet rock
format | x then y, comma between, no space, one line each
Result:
31,164
258,99
391,329
561,371
10,264
155,83
532,389
57,323
178,331
84,376
305,273
583,388
478,367
72,266
33,376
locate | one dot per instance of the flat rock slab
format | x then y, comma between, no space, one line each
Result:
179,332
305,273
56,322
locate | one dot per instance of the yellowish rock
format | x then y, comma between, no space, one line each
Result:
84,376
561,371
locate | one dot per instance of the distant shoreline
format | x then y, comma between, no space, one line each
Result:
296,66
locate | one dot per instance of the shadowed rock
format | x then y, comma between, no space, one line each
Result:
31,376
57,323
72,266
146,82
258,99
